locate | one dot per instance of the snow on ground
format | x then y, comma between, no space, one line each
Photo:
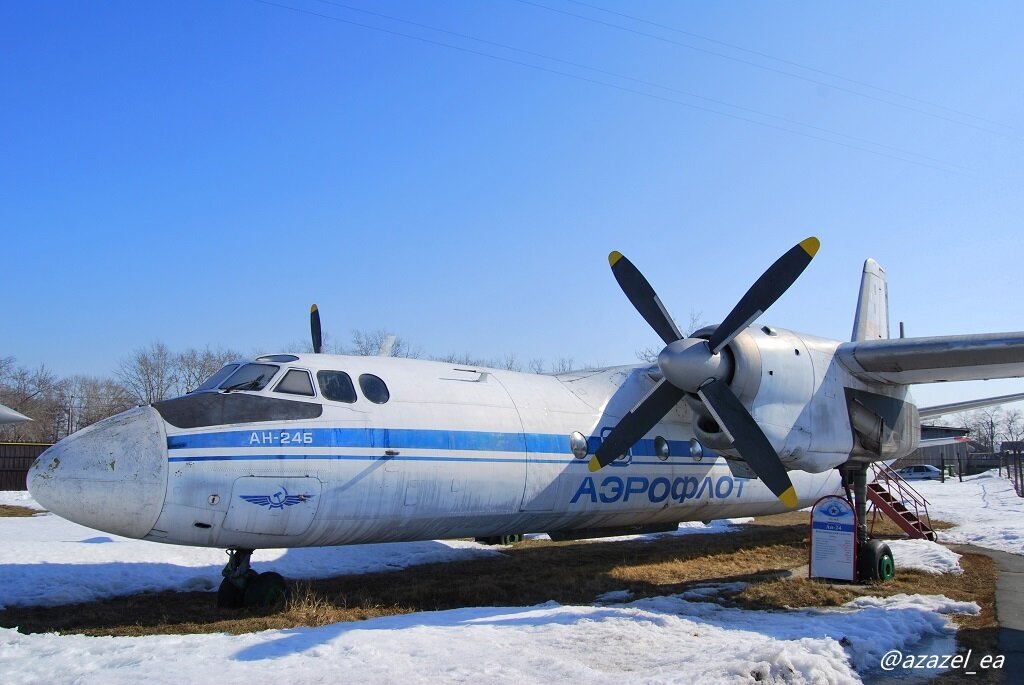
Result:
924,555
19,498
662,639
987,511
46,560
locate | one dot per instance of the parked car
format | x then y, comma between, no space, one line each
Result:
920,472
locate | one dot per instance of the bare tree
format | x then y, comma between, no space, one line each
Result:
149,373
88,399
6,368
985,425
563,365
36,394
371,343
1012,429
509,362
463,359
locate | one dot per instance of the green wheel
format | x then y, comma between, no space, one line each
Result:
875,561
886,565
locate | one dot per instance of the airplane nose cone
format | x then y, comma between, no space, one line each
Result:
111,476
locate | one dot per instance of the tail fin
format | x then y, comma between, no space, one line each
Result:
872,320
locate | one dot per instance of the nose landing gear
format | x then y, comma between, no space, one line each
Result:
244,587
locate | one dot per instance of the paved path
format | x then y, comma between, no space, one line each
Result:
1009,605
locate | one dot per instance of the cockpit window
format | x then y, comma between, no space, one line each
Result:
296,382
337,386
217,378
250,377
374,388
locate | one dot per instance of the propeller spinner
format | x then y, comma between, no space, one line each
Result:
695,366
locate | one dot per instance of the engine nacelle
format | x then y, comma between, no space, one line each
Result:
795,392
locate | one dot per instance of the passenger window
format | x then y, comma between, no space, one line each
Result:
296,382
374,388
336,386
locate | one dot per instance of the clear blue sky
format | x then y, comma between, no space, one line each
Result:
200,172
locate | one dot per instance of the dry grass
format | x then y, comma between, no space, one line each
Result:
762,554
14,510
531,573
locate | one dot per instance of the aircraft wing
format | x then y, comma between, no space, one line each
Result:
8,415
905,361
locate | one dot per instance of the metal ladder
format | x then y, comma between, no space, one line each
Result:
893,496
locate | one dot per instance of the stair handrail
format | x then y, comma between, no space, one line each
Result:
907,494
880,468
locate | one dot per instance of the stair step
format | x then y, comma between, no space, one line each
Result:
900,503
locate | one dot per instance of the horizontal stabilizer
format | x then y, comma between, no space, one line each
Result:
936,442
905,361
954,407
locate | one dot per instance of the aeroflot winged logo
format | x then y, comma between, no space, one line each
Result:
834,509
279,500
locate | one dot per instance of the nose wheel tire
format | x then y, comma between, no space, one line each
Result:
229,595
257,591
244,587
266,590
511,539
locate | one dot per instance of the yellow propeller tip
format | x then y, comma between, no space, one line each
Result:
312,309
789,498
811,245
614,257
594,465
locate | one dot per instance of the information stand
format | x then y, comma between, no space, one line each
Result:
833,551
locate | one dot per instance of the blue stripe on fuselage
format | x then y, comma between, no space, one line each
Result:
399,438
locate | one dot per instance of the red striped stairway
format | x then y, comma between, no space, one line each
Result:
893,496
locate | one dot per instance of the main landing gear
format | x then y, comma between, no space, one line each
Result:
244,587
510,539
874,558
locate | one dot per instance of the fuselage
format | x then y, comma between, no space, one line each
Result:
398,449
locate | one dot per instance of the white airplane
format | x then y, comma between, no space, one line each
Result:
294,450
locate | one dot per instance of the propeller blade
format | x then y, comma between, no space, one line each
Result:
750,440
765,291
314,327
643,298
635,424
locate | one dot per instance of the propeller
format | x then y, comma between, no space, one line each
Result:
314,327
696,366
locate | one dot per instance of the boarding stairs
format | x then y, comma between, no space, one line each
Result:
893,497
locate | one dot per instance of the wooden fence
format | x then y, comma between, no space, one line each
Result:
15,459
1014,464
